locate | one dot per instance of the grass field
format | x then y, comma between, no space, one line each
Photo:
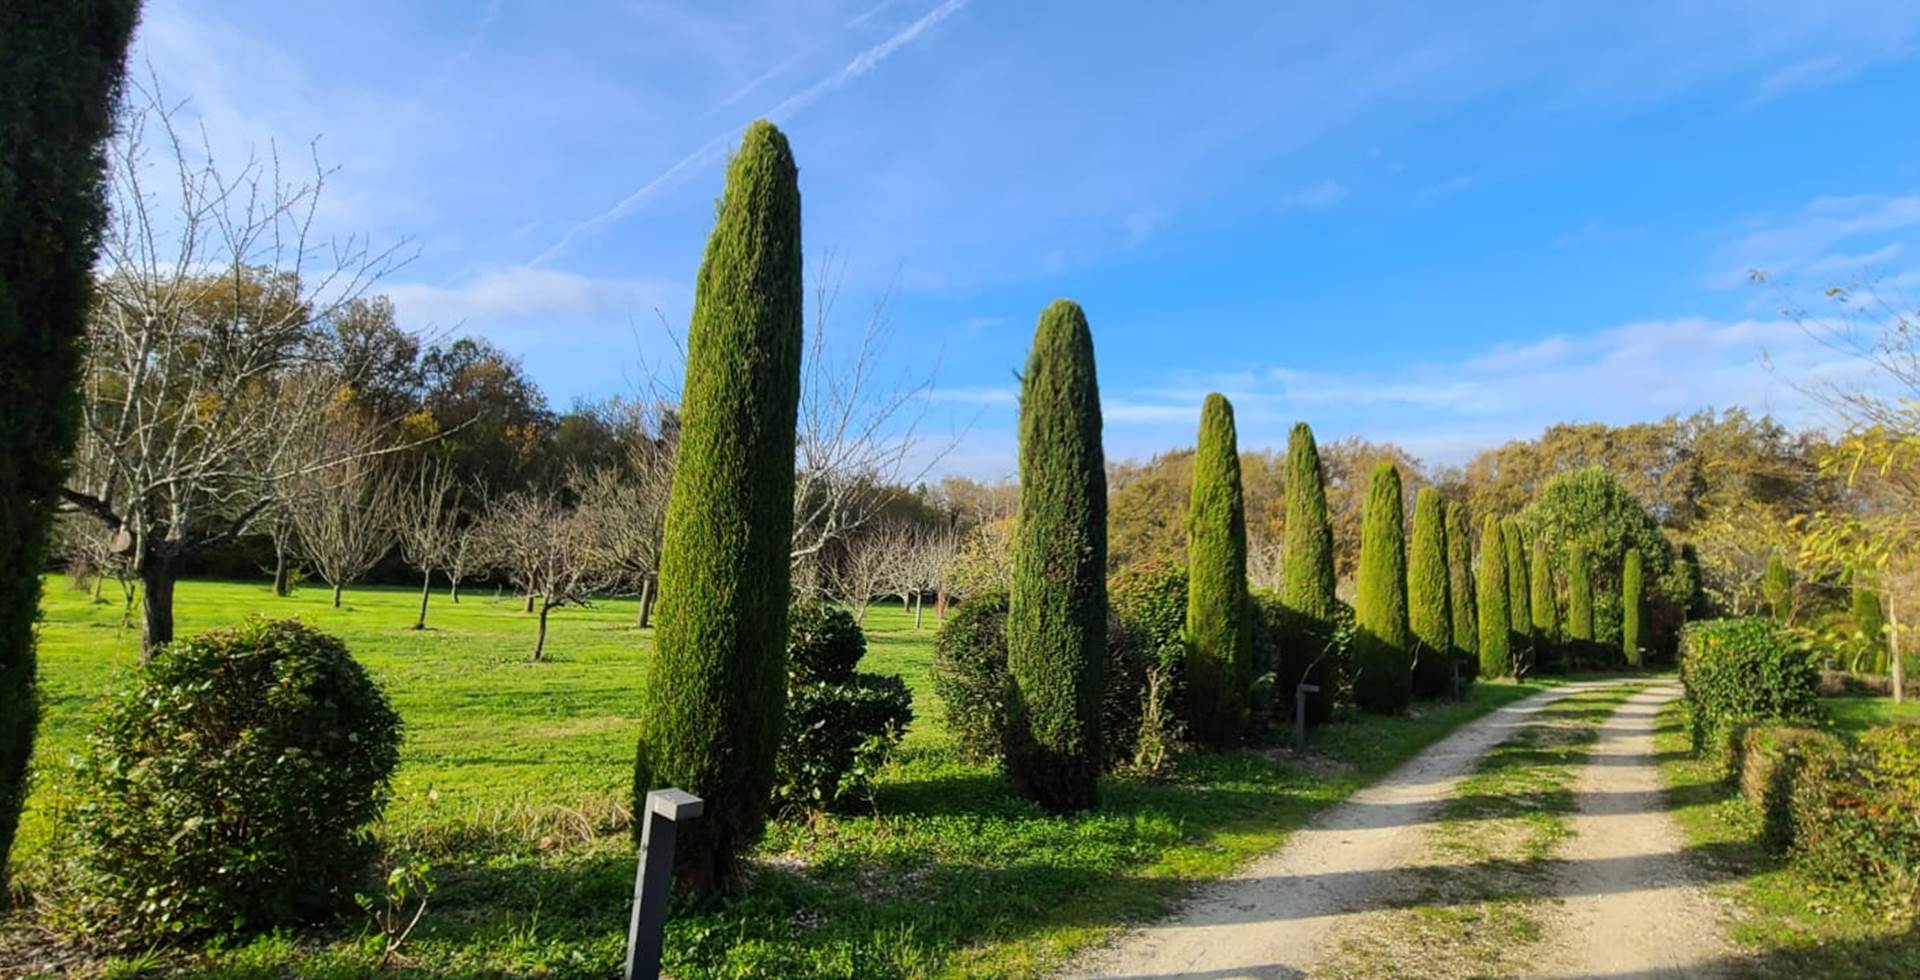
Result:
1852,715
514,779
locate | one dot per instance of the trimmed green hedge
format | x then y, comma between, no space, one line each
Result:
1739,671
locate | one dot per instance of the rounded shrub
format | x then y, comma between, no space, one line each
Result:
841,725
1740,671
824,644
970,675
229,787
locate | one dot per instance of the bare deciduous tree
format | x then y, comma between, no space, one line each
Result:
344,517
933,551
625,506
426,515
876,562
557,554
208,345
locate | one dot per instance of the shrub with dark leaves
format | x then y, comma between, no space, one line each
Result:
841,725
229,787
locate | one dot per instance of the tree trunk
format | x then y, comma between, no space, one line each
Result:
540,641
1893,653
99,582
647,596
919,609
453,590
156,628
426,589
281,585
940,605
529,606
337,586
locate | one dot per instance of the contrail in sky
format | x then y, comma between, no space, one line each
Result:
862,63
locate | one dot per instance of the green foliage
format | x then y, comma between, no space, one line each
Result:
1592,507
1776,586
1544,607
1581,649
1856,818
824,644
970,663
1633,616
1057,610
1869,622
1151,599
1519,597
1466,609
60,66
1741,671
841,725
1496,625
1764,761
970,675
229,786
1429,598
1381,662
1219,632
1308,579
712,707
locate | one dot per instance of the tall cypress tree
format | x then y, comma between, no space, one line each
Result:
1519,586
61,63
1466,610
1869,620
1308,583
1579,602
1057,608
1776,586
712,708
1632,619
1219,630
1545,609
1496,626
1429,597
1382,681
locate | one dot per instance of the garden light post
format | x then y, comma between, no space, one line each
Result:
1300,692
653,882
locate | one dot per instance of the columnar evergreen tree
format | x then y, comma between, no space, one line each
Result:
1466,610
1776,586
1632,596
1308,583
1057,608
1545,609
1579,601
1869,620
1382,681
1496,625
1219,630
1519,606
1429,597
712,707
60,65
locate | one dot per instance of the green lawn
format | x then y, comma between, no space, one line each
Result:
1853,715
514,778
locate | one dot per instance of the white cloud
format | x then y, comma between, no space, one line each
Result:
522,293
1804,242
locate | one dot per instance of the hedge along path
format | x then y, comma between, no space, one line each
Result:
1276,916
1634,905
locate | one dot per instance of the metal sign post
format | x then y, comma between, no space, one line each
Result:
653,882
1300,693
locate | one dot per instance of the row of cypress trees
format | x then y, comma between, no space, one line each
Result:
1519,622
1417,614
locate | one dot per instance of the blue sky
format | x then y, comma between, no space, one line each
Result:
1443,224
